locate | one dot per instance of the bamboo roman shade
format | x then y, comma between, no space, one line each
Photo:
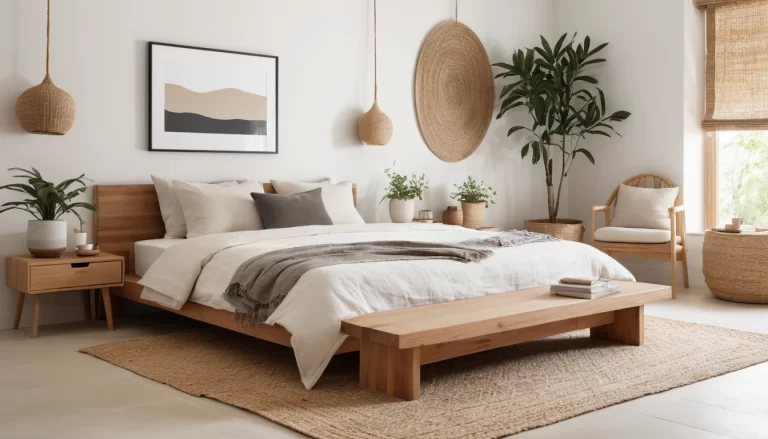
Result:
737,65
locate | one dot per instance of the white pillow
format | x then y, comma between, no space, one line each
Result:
644,207
210,209
337,198
170,208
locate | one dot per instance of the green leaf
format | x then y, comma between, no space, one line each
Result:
597,49
547,48
594,61
587,154
602,101
524,151
585,78
586,43
620,115
504,65
598,132
515,129
559,44
536,152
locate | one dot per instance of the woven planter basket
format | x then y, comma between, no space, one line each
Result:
735,266
569,230
474,214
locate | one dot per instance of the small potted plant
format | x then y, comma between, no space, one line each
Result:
475,197
81,237
46,202
401,192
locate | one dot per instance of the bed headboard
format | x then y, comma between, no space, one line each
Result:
130,212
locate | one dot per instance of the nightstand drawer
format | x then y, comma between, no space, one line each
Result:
72,275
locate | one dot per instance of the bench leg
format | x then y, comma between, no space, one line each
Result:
404,373
628,327
391,370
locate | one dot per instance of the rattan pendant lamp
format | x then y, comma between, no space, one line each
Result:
45,108
375,127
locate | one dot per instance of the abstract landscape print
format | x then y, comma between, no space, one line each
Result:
211,100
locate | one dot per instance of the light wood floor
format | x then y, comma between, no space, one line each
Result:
49,390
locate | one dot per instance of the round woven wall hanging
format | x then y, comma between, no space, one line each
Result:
454,91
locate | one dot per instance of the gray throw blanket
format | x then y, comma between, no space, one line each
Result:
261,283
514,238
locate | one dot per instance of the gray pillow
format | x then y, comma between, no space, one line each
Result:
303,209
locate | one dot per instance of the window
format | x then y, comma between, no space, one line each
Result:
742,177
737,110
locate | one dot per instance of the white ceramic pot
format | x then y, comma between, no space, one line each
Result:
81,238
401,211
46,239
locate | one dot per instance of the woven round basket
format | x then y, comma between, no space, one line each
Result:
567,229
474,214
453,91
735,266
453,216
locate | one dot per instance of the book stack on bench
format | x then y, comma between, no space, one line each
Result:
584,288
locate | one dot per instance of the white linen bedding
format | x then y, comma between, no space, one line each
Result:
201,268
146,252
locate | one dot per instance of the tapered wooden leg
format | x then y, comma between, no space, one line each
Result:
107,307
673,268
19,308
404,373
87,305
628,327
36,316
685,268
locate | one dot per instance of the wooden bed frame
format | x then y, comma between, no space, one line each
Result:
395,344
130,213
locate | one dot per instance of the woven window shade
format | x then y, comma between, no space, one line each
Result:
737,66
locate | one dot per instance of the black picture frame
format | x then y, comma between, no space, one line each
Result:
151,44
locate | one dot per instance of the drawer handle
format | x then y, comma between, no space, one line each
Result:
80,264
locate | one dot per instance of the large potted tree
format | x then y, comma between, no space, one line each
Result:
566,107
47,202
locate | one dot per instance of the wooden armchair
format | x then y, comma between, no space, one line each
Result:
645,243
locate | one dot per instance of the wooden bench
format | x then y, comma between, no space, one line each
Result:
394,344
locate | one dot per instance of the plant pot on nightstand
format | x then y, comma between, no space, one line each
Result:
401,211
474,214
46,239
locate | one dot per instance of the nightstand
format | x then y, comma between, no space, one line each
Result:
38,276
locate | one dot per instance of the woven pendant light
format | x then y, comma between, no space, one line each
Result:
45,108
375,127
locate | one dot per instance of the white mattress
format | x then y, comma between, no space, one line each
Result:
147,252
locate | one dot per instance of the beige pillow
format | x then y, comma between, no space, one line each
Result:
644,207
337,198
210,209
170,207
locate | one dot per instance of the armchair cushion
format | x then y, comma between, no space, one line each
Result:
644,207
632,235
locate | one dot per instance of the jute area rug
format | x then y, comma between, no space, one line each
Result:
486,395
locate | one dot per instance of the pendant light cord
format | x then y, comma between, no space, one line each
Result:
48,41
457,11
375,56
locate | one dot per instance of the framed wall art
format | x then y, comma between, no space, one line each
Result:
207,100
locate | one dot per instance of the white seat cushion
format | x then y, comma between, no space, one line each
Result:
632,235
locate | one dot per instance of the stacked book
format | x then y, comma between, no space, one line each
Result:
584,288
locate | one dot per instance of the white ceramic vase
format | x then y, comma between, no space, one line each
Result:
401,211
46,239
81,238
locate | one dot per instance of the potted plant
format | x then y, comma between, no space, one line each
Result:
81,237
550,83
46,202
475,197
401,192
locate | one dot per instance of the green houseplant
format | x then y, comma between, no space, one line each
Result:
475,197
401,192
566,107
47,202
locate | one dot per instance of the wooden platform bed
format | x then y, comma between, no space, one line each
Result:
394,344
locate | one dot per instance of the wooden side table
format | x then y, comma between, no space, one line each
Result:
37,276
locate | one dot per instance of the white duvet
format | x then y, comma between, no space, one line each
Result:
201,269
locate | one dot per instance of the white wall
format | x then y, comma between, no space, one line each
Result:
655,70
99,56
